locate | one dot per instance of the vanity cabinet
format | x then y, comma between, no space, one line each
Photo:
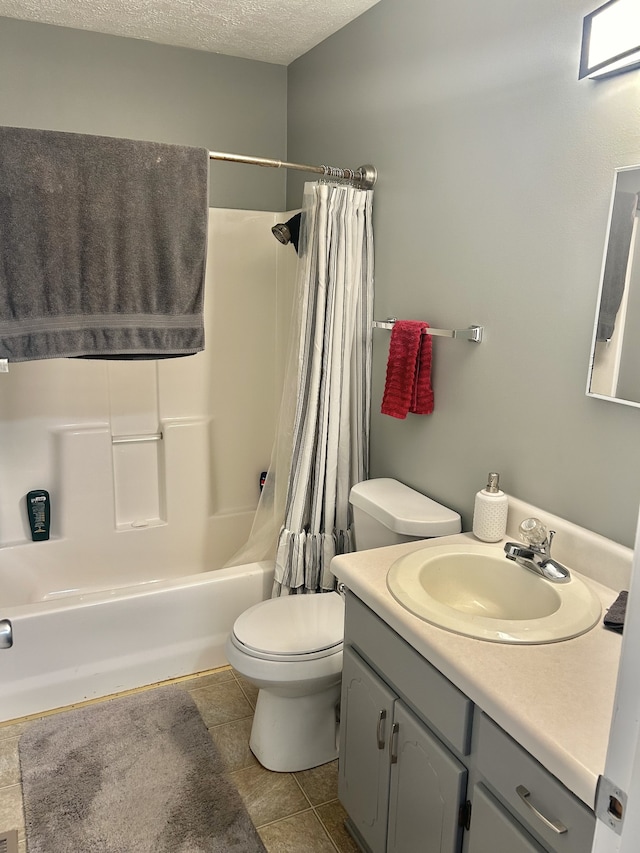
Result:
401,781
401,787
415,754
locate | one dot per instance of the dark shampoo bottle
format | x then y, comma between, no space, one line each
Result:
39,512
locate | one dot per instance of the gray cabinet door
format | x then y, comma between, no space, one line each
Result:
365,724
427,788
493,830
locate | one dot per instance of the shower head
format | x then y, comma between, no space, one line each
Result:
281,233
288,232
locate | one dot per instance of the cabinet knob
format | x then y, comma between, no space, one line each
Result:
554,825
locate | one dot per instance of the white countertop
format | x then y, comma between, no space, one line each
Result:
555,699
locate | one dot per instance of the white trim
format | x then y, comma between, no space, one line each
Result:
623,756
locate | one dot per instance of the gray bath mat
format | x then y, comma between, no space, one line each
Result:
138,774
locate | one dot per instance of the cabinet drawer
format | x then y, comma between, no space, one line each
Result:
445,708
494,830
530,791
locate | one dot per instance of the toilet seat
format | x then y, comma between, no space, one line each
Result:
292,628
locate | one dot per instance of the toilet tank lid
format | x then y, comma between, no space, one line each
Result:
404,510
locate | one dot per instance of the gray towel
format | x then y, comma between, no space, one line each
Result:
615,615
103,246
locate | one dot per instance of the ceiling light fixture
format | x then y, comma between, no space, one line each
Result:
611,39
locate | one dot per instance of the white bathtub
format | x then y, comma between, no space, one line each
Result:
68,648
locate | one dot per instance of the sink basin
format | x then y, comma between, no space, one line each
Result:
472,589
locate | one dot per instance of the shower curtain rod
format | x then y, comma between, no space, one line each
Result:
364,176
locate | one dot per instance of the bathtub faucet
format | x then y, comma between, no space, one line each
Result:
6,634
535,555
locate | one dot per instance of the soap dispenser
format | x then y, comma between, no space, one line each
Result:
490,512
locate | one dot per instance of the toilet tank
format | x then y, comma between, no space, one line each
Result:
386,512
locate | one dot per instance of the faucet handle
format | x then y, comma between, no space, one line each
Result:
536,535
533,531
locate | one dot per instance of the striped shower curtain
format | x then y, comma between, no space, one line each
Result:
331,380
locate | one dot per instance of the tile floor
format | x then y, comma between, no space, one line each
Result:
293,812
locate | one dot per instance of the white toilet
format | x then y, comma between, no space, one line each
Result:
291,647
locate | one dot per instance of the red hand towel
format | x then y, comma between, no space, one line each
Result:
408,384
422,402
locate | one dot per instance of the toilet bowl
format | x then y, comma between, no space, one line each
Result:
291,647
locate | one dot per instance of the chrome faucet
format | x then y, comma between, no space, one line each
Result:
535,555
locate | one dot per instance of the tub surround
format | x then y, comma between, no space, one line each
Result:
146,452
555,699
91,550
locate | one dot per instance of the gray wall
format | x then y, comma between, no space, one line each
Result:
496,167
62,79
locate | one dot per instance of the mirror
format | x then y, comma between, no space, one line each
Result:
614,367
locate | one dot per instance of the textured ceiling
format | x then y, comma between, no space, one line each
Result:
269,30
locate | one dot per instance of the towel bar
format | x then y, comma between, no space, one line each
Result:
135,439
472,333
